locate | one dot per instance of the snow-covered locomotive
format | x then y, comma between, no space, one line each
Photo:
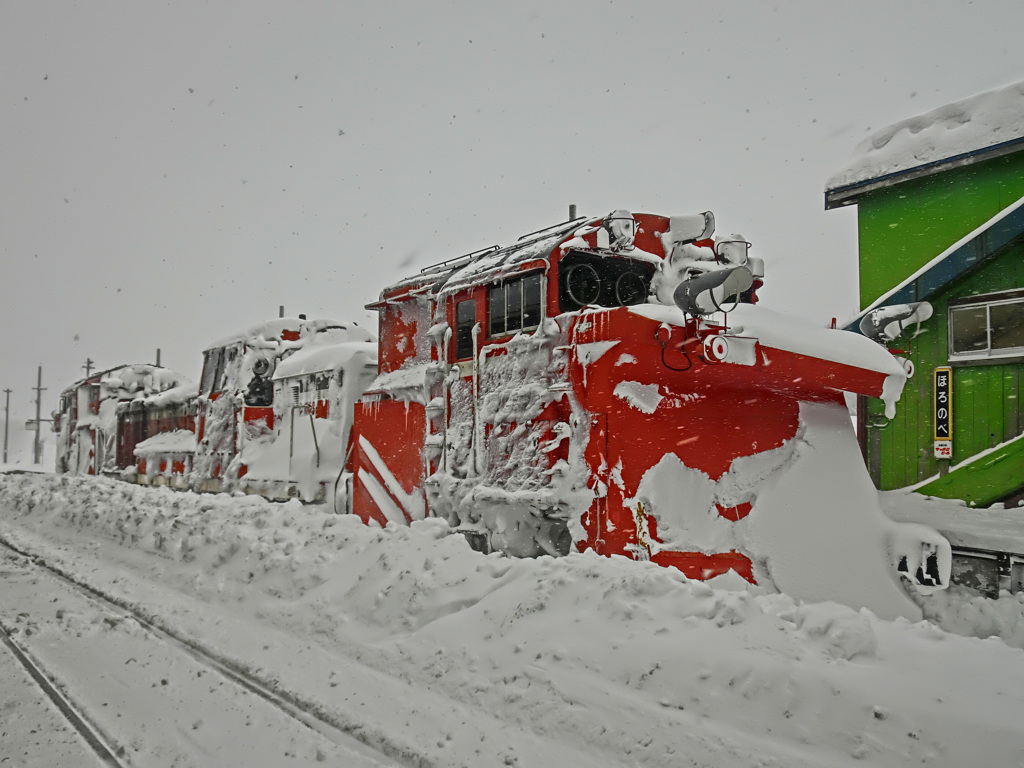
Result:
274,407
606,384
611,385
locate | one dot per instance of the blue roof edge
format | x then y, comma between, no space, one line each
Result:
846,190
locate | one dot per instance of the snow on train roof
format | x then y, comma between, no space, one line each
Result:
270,332
453,274
138,380
182,393
496,262
324,357
980,122
91,379
142,378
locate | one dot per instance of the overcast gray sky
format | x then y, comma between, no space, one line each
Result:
170,173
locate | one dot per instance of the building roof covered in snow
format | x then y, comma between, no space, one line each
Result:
981,127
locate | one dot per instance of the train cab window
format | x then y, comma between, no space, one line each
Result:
465,319
531,300
227,372
496,310
514,305
210,365
218,375
586,279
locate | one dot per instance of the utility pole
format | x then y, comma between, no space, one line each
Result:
89,363
37,449
7,420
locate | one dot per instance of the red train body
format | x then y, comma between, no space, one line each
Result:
526,392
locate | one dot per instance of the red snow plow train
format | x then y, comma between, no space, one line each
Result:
606,384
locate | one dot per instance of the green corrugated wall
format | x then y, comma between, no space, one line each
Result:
986,398
903,227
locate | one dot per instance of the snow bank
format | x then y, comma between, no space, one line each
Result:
628,661
979,122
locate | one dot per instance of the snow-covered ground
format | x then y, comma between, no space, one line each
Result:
437,655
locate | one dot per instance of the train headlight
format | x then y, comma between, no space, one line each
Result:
716,349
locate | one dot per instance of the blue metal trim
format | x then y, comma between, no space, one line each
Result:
971,254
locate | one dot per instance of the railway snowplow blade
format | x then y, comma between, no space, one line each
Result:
733,449
820,533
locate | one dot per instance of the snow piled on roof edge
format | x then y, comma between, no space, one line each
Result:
975,123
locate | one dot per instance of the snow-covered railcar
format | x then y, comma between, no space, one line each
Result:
612,385
314,391
89,432
271,414
156,440
246,435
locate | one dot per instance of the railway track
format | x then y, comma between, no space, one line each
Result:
88,730
114,611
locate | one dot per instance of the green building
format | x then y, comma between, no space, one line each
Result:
940,212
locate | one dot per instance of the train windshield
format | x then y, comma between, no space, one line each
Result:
586,279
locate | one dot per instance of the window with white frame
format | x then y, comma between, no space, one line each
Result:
986,327
514,305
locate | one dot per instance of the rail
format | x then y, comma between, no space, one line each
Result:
85,727
305,713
